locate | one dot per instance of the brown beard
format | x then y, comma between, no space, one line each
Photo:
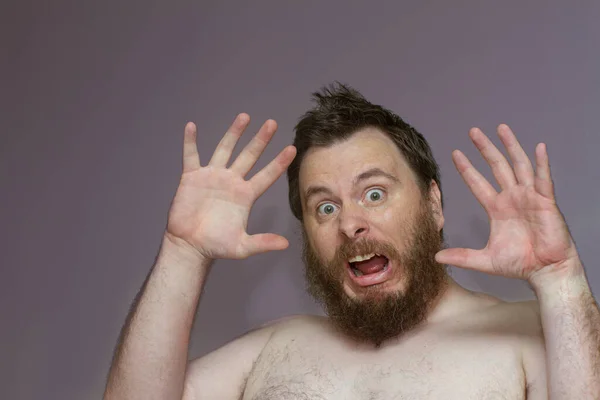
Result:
378,316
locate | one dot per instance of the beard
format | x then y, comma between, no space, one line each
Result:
376,315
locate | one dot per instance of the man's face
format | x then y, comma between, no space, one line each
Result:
360,197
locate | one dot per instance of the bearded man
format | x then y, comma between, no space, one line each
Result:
367,192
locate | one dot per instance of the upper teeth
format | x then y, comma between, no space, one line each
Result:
362,258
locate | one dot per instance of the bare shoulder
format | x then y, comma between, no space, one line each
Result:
223,372
306,326
489,314
522,316
517,323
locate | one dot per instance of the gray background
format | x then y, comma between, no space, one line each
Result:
95,97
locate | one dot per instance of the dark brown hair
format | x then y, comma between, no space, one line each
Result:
340,112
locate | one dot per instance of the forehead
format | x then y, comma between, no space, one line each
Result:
341,162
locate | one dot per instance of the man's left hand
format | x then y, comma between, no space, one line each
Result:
529,237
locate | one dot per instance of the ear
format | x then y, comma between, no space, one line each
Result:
435,202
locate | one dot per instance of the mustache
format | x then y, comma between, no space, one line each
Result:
365,246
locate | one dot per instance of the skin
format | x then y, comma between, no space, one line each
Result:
471,346
382,220
384,212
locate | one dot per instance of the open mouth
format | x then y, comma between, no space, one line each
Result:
369,269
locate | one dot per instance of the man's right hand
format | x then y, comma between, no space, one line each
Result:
209,213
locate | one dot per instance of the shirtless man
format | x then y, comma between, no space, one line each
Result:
366,190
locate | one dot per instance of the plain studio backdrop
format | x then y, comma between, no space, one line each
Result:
95,96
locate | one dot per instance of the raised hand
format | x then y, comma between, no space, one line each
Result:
211,206
528,234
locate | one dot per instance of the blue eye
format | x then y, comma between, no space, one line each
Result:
374,194
326,208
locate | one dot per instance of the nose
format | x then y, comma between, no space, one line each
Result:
352,223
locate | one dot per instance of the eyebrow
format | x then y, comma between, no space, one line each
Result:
370,173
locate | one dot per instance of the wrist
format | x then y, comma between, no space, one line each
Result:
178,248
566,279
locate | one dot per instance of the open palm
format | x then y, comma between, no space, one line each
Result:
527,230
211,206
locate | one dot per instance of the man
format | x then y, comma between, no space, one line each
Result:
367,191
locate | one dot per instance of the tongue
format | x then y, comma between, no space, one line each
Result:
371,266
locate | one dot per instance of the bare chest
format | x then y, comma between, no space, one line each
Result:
463,369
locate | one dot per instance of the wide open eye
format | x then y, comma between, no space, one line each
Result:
374,195
326,209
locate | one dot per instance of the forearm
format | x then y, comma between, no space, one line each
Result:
151,356
571,324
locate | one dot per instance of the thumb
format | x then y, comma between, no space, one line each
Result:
263,242
465,258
